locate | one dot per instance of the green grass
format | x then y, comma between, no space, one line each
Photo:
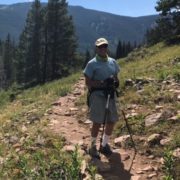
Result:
168,166
24,158
159,62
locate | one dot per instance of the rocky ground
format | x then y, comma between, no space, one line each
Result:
122,164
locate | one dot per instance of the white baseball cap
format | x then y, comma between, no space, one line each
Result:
101,41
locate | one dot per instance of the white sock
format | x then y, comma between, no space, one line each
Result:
93,141
105,140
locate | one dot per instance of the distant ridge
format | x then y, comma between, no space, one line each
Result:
89,24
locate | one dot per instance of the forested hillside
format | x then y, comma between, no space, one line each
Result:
46,49
89,25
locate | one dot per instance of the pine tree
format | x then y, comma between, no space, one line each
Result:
87,58
60,38
8,61
128,48
30,47
1,47
135,45
2,74
124,49
119,50
45,69
34,53
168,26
21,59
170,10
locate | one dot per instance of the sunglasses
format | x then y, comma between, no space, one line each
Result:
103,46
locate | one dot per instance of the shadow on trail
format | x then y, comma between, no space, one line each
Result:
116,170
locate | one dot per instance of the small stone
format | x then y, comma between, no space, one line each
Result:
152,119
154,139
98,177
151,157
136,177
120,141
176,153
173,118
73,109
152,175
147,168
57,103
40,140
139,172
23,129
157,107
69,148
13,139
165,141
87,122
178,97
83,167
129,82
17,145
161,160
67,114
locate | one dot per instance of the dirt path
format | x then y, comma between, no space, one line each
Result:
64,121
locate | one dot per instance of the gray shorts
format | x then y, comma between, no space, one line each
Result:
97,109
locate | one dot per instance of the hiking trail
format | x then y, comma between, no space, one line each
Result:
64,121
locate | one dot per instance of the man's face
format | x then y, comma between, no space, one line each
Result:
102,50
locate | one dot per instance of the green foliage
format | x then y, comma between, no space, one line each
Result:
176,74
168,166
37,165
136,124
175,143
159,64
162,75
35,160
4,97
92,170
59,39
47,44
155,62
75,165
123,49
87,58
29,56
168,25
7,64
23,166
7,96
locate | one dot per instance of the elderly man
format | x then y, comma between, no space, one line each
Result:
100,74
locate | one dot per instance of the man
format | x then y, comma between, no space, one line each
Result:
98,72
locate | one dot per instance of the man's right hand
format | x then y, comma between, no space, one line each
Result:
111,82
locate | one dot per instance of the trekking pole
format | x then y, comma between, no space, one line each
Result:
130,133
105,119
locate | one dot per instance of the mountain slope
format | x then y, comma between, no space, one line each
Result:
89,24
151,100
92,24
149,84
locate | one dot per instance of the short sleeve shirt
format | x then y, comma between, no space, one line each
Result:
101,70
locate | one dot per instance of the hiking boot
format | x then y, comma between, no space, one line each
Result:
106,150
93,152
